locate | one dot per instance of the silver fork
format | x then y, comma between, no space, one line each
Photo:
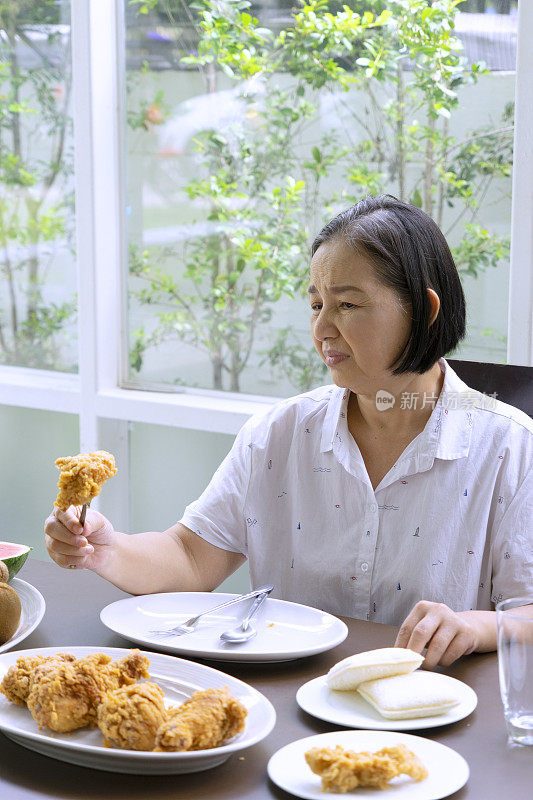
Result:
189,625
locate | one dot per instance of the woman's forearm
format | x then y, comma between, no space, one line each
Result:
485,626
175,560
144,563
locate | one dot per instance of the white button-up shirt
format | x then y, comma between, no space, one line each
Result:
452,520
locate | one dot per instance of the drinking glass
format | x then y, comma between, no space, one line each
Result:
515,661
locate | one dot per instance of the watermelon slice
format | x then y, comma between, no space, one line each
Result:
13,555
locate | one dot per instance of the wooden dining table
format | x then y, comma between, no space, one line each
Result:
74,599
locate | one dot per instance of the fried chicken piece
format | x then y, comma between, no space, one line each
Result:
208,719
17,680
407,762
82,477
113,675
130,717
66,696
342,770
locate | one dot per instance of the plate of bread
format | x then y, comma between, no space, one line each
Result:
384,689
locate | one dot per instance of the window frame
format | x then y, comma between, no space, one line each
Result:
95,393
520,319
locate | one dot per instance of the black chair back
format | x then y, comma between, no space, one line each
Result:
512,384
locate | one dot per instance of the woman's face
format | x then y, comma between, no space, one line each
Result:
359,326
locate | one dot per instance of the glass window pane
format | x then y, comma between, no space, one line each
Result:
248,128
37,259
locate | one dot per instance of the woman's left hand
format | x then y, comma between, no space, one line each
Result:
446,634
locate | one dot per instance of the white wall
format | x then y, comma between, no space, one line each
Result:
31,441
170,468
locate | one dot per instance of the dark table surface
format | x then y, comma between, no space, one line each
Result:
498,769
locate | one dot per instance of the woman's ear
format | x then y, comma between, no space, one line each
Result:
434,302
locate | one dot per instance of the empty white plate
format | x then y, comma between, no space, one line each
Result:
284,630
351,710
447,770
178,679
33,608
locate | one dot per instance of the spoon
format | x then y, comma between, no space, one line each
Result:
245,630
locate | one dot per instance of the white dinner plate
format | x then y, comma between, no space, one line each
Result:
178,679
284,630
351,710
33,607
447,770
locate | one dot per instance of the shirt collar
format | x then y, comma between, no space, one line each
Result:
457,402
337,405
446,434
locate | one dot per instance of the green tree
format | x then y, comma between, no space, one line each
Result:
267,188
257,209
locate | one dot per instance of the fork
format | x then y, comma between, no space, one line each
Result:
83,513
190,625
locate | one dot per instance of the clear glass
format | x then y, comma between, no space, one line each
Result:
219,240
37,257
515,660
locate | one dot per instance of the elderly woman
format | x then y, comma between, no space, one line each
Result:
397,494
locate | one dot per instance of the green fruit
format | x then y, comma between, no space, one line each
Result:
14,556
10,611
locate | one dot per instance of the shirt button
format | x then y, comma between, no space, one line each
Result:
364,566
373,508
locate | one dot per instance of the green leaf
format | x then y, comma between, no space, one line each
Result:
416,199
440,109
384,17
227,69
446,91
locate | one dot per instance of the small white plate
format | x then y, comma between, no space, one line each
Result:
447,770
351,710
178,679
33,608
284,630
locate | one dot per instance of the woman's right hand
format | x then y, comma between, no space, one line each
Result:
74,547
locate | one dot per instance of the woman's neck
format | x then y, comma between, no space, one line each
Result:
414,398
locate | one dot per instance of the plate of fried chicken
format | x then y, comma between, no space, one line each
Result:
391,765
128,711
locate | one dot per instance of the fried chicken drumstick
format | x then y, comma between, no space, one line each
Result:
130,717
17,680
67,697
82,477
208,719
342,770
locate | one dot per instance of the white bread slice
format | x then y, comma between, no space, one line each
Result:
351,671
420,694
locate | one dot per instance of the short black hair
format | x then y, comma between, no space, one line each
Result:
409,253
